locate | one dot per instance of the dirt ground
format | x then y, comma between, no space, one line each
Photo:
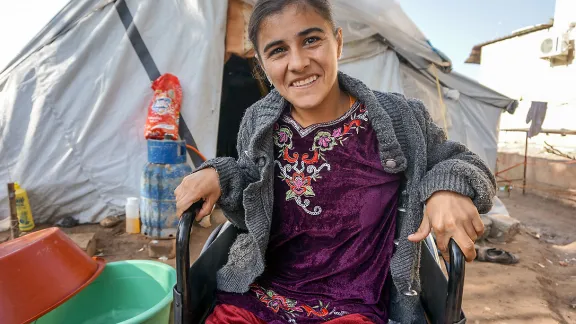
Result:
114,244
541,288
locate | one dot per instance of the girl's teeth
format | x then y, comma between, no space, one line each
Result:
305,82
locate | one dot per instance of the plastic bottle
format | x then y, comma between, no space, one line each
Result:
25,220
132,216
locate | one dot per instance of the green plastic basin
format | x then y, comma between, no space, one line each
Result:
127,292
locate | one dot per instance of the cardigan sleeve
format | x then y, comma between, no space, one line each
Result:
235,175
451,166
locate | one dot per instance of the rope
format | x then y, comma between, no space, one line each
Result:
441,98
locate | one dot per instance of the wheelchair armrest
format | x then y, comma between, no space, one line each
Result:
196,285
456,272
181,289
441,296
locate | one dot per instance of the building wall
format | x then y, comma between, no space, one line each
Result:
564,13
514,68
549,178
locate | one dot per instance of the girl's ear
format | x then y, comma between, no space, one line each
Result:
260,69
259,62
340,40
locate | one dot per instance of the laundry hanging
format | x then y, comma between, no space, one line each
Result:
536,115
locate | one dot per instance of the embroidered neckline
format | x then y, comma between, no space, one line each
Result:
299,170
305,131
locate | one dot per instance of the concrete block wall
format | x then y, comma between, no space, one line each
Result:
549,178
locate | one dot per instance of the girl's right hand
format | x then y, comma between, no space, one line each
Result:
203,184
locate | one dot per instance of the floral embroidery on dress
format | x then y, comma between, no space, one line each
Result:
299,172
283,137
290,308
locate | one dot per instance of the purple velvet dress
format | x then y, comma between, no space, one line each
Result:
332,231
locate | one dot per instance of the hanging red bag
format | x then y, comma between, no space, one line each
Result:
164,109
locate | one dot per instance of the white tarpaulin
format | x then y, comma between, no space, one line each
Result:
73,104
72,114
361,19
387,77
470,121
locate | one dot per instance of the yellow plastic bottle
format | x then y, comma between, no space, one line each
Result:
132,216
25,220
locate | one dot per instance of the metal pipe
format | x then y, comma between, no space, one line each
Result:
525,164
508,169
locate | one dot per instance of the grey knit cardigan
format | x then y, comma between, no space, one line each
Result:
409,143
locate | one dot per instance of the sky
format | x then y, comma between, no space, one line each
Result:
20,21
453,26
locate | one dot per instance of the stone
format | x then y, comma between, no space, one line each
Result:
503,228
487,227
568,249
85,241
162,248
110,221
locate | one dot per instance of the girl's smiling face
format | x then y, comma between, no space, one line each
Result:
299,49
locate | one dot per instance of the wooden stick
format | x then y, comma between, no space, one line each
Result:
552,150
14,229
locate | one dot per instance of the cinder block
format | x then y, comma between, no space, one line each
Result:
504,228
487,227
85,241
162,248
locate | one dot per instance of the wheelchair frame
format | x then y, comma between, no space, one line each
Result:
194,292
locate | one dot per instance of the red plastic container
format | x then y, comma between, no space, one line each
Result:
39,272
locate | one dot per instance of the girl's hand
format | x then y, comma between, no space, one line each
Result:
451,215
203,184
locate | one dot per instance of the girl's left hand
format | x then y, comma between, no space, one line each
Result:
451,215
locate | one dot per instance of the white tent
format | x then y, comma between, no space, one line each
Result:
73,102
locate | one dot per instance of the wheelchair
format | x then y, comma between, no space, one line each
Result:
194,292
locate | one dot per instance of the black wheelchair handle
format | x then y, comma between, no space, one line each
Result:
181,290
456,272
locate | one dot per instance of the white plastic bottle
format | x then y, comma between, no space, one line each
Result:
132,216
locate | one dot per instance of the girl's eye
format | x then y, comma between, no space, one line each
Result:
277,51
311,40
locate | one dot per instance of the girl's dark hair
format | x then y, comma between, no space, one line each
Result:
266,8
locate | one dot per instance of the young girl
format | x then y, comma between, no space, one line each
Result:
324,166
